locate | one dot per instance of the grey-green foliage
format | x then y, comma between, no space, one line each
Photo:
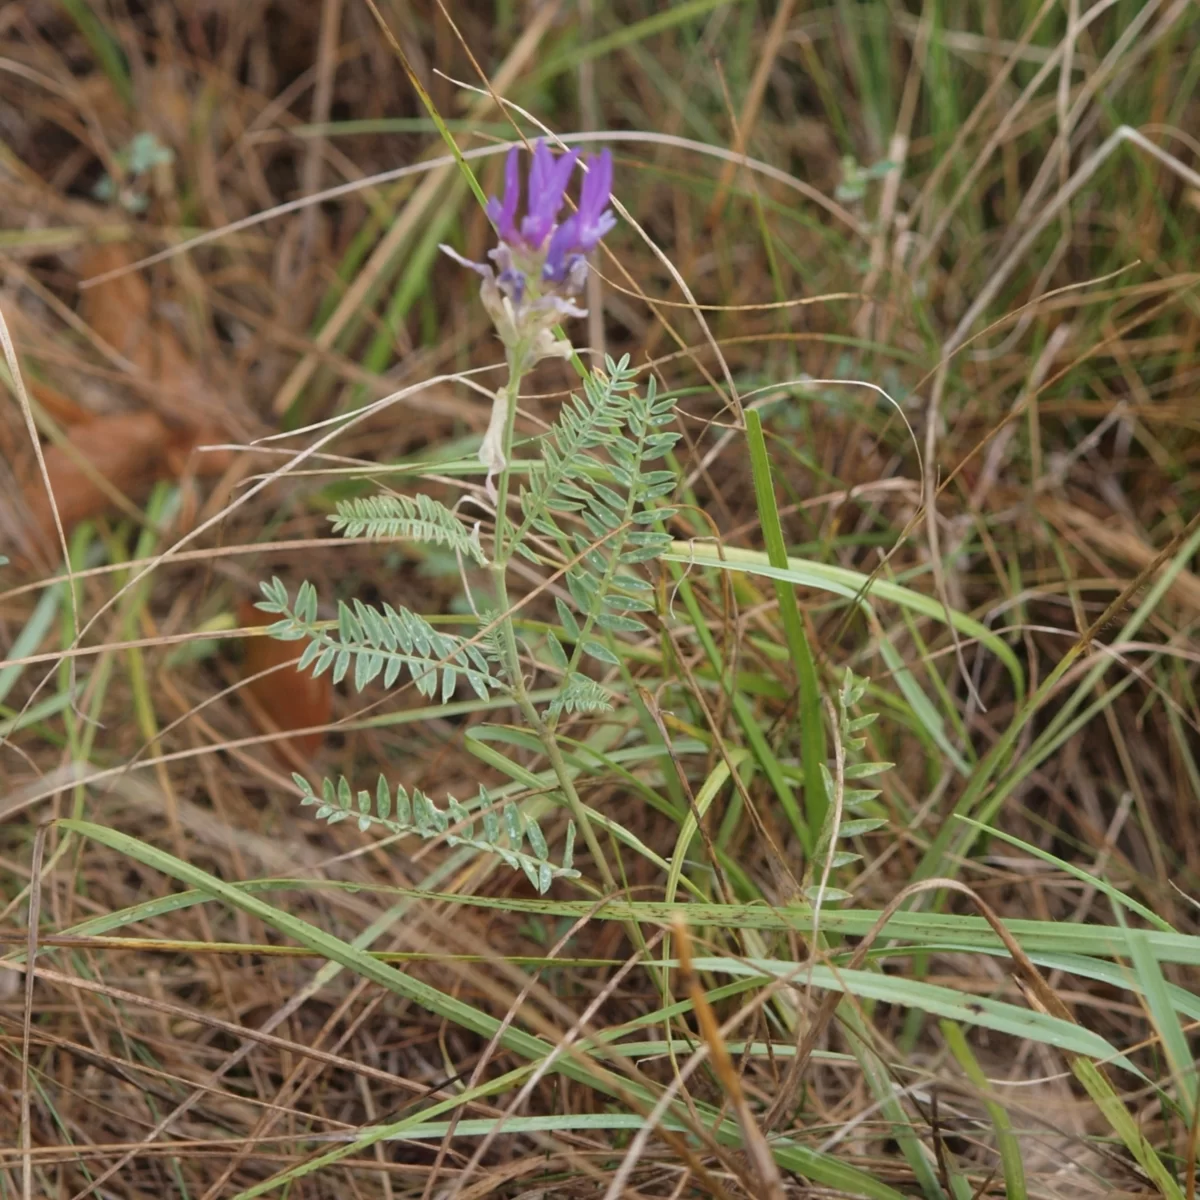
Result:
417,518
580,694
141,156
593,498
504,830
855,800
591,503
378,642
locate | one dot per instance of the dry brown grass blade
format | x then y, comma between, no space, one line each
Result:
563,1047
327,46
14,367
241,1033
158,1082
1083,174
755,1144
1123,544
825,1010
249,1038
744,126
206,555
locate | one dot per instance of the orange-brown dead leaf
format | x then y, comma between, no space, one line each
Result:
58,404
286,698
116,457
120,312
131,451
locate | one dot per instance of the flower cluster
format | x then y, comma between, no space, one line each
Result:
540,267
540,263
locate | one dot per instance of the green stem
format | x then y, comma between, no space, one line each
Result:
517,364
512,664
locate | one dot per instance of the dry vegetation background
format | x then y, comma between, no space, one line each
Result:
946,212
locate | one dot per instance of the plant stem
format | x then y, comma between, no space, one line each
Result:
517,361
512,663
518,364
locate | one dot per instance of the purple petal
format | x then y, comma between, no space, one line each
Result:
548,179
597,185
594,219
563,242
576,275
539,171
512,284
591,236
503,216
561,305
562,172
482,268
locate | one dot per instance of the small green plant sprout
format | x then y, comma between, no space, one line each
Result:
590,510
140,157
504,830
855,177
849,813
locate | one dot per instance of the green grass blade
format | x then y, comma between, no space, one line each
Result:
934,1000
30,638
812,723
1007,1144
1126,1128
104,46
1162,1012
1115,894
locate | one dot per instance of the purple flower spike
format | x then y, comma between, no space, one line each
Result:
540,265
595,219
503,216
548,179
